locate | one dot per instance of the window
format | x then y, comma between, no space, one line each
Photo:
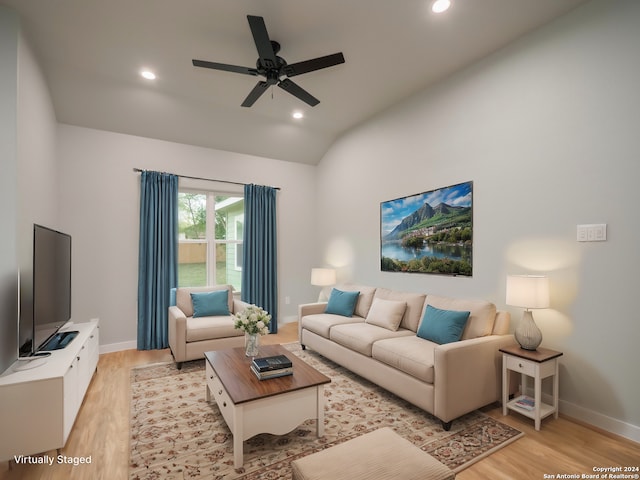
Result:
239,228
211,226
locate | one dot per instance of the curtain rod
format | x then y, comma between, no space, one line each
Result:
139,170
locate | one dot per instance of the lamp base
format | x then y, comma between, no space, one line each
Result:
324,295
528,335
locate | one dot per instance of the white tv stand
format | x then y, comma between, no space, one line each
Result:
38,406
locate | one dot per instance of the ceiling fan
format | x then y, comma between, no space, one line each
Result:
273,67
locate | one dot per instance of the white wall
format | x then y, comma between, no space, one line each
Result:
547,129
99,195
28,186
9,30
37,168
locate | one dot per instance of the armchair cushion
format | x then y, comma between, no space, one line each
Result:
208,304
183,297
206,328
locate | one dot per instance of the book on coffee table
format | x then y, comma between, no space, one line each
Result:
275,362
282,372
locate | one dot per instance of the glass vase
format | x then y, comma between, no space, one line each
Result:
251,344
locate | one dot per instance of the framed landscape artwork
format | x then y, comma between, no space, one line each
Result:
431,232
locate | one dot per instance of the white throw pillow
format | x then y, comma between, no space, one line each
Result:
386,313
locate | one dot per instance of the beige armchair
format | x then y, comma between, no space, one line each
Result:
190,337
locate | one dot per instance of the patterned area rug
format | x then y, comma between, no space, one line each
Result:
176,434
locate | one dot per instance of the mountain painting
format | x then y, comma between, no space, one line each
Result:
431,232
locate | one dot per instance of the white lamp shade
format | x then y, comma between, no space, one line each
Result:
528,291
323,277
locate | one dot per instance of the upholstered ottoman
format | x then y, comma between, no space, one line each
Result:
381,454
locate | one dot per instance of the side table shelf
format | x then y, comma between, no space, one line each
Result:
539,364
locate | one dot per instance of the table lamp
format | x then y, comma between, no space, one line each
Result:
323,277
528,291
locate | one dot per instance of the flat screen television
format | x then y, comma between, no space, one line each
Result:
51,285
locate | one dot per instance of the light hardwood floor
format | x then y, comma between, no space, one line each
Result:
102,431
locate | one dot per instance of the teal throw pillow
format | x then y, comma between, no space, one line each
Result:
210,304
342,303
442,326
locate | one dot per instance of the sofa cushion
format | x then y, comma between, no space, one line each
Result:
481,319
411,355
207,328
183,297
322,323
361,336
414,301
342,303
442,326
364,299
386,313
208,304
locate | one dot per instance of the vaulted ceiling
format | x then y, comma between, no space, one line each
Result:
92,51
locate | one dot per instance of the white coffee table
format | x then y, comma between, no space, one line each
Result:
251,406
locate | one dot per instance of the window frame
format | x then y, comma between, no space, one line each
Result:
210,239
238,244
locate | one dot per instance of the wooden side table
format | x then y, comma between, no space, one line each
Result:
539,364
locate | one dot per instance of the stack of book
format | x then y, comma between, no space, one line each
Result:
271,367
526,403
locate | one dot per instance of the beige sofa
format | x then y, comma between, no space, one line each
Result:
190,337
447,380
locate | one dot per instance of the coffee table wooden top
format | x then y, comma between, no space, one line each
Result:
232,367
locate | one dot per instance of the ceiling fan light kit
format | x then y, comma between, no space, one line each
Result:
273,68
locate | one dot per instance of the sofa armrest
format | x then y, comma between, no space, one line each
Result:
467,375
177,333
239,306
309,309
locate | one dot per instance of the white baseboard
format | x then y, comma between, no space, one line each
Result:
118,347
593,418
613,425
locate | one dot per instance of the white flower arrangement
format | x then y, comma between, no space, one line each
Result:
252,320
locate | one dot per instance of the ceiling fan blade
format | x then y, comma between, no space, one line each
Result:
225,67
262,41
314,64
255,94
297,91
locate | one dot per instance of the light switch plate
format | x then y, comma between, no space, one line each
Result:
596,232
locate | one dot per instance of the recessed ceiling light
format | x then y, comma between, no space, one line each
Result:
440,6
297,115
148,74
